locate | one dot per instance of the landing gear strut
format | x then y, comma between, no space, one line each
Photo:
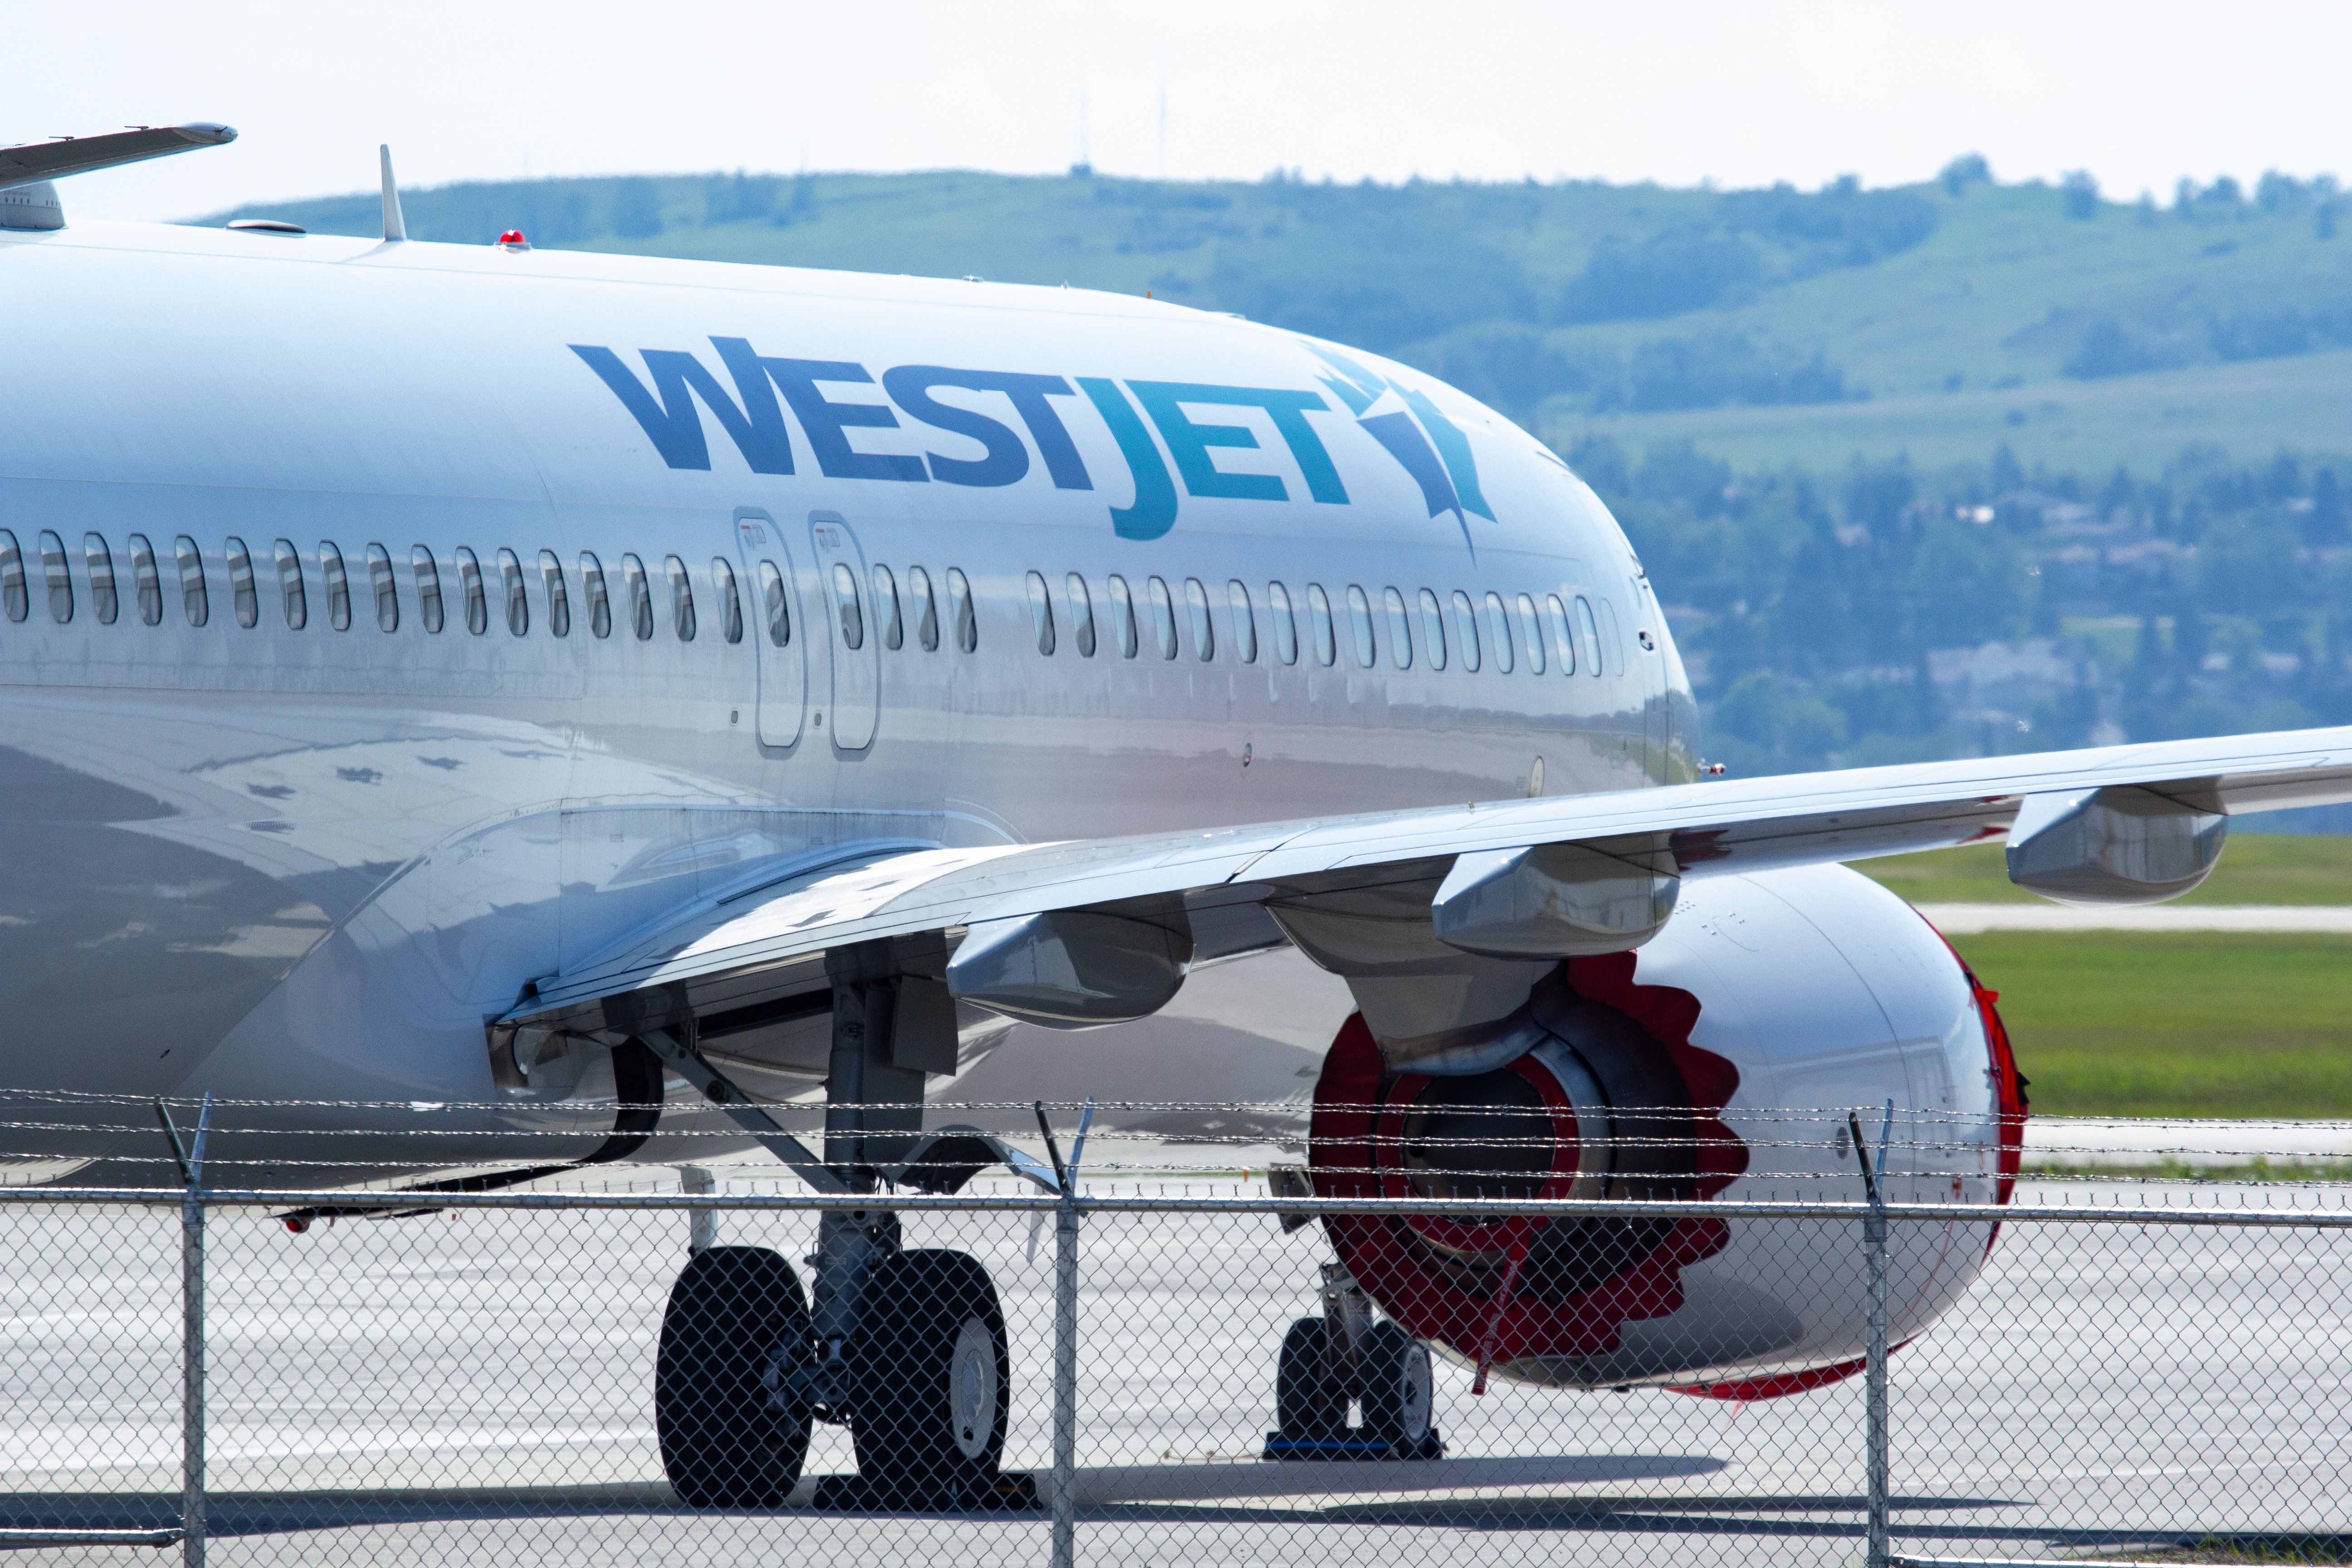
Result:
1347,1355
905,1348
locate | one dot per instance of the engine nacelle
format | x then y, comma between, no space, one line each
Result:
1719,1061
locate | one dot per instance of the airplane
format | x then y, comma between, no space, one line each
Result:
477,707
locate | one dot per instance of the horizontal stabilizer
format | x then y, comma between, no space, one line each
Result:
38,161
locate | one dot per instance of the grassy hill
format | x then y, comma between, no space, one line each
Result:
1763,325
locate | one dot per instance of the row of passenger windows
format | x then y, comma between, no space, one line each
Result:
894,618
423,589
1549,635
505,585
1506,634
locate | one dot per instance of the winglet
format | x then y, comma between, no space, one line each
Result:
394,226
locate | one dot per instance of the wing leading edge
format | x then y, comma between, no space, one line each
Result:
1227,888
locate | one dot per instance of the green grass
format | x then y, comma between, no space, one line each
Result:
2198,1024
2255,870
2140,421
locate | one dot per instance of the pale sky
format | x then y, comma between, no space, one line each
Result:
1673,90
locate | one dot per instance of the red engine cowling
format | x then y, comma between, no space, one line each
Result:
1718,1060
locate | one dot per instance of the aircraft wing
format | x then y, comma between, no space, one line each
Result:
1234,884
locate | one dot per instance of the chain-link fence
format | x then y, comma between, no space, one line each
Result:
1164,1371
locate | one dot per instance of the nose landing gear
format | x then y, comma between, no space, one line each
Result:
1345,1355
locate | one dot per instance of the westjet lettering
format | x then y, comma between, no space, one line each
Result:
1431,449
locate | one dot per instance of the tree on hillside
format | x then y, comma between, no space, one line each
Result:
2008,474
2105,351
2327,522
2079,193
1967,169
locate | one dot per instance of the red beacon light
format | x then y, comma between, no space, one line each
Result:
513,240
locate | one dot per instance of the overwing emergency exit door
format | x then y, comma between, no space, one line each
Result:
778,626
850,631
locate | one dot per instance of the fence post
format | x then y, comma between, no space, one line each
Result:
191,1162
191,1379
701,1224
1062,1486
1873,1383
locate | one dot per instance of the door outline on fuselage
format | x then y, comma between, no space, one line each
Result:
857,672
782,702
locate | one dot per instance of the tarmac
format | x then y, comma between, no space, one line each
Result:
478,1389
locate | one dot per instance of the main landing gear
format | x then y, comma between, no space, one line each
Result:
1349,1357
905,1348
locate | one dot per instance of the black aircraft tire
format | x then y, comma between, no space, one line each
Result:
1310,1400
733,1431
933,1380
1396,1388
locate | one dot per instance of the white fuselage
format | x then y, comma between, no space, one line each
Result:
307,861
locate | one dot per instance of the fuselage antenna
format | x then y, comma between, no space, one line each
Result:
394,226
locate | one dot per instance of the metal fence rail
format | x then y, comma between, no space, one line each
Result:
478,1383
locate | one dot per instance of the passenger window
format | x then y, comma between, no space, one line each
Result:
427,573
1359,621
194,599
1563,640
1122,614
731,603
1082,615
511,592
146,582
379,578
681,600
1327,635
886,608
104,601
926,608
290,592
1163,618
847,605
1588,636
559,598
242,594
1466,630
1040,613
477,599
967,615
53,568
1399,628
641,597
1245,621
772,599
1286,625
1433,629
1498,630
1531,633
339,588
600,602
1204,632
14,600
